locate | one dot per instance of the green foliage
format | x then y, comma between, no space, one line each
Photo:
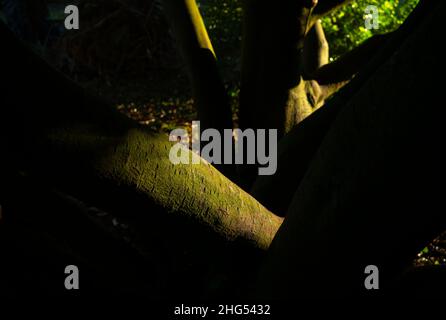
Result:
345,28
434,253
223,21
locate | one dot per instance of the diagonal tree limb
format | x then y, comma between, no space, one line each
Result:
75,142
195,45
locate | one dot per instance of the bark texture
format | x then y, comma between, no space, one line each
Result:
71,140
370,196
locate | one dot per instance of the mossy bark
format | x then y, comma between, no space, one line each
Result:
60,134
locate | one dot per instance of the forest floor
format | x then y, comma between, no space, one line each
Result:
161,102
161,105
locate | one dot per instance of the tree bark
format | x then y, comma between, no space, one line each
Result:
195,45
66,138
211,99
316,51
362,192
272,91
370,195
297,149
273,94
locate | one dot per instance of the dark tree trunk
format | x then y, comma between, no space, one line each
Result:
195,45
370,195
272,90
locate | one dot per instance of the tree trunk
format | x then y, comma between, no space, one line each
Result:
316,51
362,191
195,45
272,91
297,149
370,195
211,99
58,133
284,47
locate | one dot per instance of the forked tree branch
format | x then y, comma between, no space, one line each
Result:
350,63
323,78
316,50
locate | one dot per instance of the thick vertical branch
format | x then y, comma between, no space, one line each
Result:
316,50
349,64
272,93
210,95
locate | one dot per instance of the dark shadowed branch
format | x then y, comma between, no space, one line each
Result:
196,47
